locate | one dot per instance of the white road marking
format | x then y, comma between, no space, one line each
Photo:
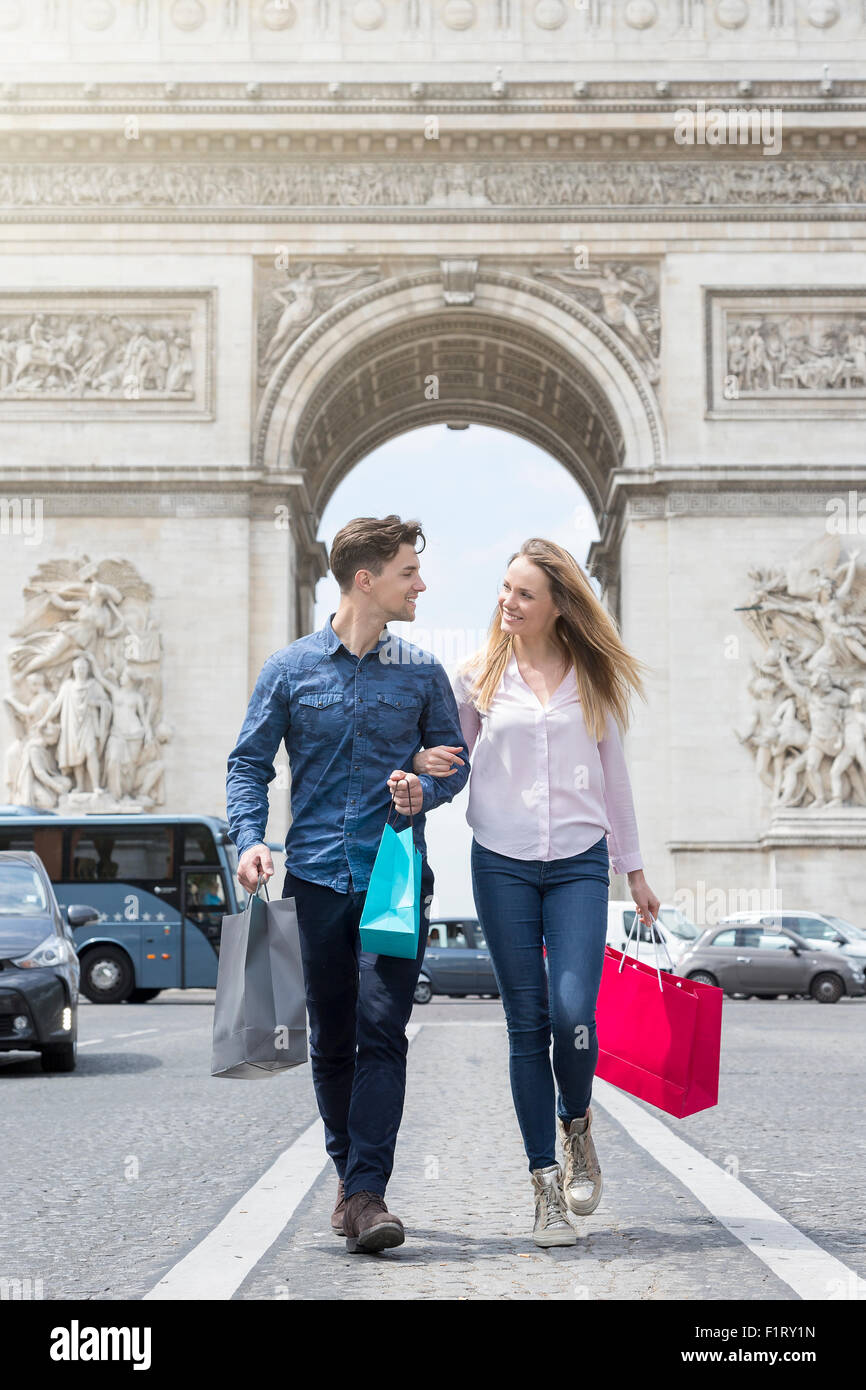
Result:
811,1272
218,1265
115,1037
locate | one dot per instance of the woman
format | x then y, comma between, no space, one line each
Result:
539,706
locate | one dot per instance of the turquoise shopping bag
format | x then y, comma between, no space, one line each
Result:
391,918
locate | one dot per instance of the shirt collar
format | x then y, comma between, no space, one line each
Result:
331,641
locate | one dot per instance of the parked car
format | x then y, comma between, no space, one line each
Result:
820,929
457,961
767,960
672,930
39,969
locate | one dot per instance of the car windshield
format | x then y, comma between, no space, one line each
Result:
677,923
846,926
22,892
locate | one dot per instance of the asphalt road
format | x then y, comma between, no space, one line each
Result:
116,1173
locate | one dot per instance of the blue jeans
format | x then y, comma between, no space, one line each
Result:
358,1006
523,904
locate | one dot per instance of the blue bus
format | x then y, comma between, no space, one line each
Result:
161,885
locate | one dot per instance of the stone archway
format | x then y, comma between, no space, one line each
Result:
520,356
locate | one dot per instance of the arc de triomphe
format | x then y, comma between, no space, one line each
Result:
245,243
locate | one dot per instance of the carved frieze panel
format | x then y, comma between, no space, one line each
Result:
786,353
441,189
99,353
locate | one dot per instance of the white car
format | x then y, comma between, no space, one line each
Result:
673,930
821,929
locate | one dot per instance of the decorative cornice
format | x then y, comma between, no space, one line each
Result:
802,94
356,142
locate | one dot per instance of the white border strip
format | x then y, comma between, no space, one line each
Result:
811,1272
219,1264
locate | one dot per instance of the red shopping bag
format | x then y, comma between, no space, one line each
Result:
658,1035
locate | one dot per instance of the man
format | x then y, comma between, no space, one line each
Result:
354,704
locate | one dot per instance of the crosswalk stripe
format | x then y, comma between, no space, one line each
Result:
218,1265
812,1272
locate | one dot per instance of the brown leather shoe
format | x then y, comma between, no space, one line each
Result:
368,1224
339,1211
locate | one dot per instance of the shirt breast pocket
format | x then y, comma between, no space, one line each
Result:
320,711
398,715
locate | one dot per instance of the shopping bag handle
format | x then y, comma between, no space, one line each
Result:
399,813
262,880
655,937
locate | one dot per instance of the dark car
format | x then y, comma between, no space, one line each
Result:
457,961
767,961
38,963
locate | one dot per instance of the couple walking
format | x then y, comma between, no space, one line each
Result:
371,724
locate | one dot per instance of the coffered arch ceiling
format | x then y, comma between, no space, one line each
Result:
522,359
483,371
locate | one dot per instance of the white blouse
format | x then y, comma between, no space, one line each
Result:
540,786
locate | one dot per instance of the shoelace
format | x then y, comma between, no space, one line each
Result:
580,1159
554,1210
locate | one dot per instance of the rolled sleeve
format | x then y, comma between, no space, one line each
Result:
251,761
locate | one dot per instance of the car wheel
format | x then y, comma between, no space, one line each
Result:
703,977
106,975
60,1057
142,996
423,990
827,988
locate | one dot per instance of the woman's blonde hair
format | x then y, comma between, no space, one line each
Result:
605,671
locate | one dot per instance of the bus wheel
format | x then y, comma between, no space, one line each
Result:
142,996
106,975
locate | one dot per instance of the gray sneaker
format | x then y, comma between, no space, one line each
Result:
552,1226
582,1182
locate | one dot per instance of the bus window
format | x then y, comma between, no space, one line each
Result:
141,853
205,903
46,841
198,845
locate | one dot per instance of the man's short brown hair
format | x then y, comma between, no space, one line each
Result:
368,543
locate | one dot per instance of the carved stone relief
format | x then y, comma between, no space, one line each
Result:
808,730
289,299
86,683
529,184
97,353
625,295
786,352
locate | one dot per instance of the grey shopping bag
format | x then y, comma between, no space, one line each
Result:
260,1018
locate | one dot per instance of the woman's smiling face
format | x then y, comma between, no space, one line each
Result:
525,603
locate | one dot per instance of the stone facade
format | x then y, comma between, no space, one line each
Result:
238,239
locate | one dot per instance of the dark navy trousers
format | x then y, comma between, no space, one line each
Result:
358,1007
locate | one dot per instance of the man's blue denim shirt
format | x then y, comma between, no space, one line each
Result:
347,724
